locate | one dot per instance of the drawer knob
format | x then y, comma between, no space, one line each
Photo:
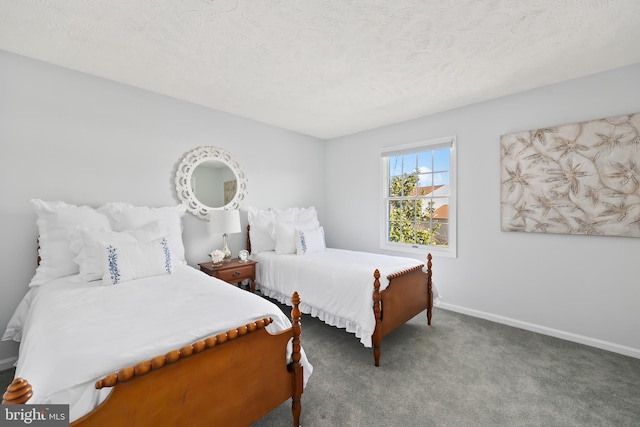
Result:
236,273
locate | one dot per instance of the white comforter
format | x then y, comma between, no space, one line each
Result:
337,284
75,333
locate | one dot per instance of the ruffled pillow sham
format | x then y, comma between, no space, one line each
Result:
126,216
62,225
55,219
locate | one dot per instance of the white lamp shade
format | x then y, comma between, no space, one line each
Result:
224,221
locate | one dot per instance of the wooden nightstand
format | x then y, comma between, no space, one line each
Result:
232,272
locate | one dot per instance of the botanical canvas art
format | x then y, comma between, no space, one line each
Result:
581,178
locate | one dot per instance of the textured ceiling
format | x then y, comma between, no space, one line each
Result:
327,68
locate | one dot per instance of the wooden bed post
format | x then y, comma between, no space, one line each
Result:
377,312
18,392
429,291
248,239
295,366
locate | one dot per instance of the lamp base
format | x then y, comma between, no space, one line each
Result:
225,249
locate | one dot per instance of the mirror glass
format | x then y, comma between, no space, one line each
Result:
213,183
210,178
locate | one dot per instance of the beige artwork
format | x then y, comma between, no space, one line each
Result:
581,178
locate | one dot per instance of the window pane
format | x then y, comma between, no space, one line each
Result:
408,163
441,209
395,211
409,210
441,178
395,187
425,163
425,183
441,160
424,234
409,185
441,237
408,232
395,165
394,232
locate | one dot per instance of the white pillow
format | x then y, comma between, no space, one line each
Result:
286,221
285,239
128,217
86,243
55,219
310,241
293,216
261,230
307,215
128,261
286,236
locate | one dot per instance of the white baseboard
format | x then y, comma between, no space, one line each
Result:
7,363
581,339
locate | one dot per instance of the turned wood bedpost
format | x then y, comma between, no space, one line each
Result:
248,239
377,312
18,392
429,291
296,367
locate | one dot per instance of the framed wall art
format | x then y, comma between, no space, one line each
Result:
581,178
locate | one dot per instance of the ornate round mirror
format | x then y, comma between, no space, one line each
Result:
210,178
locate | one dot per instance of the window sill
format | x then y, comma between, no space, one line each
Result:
420,250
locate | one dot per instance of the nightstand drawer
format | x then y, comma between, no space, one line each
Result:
236,274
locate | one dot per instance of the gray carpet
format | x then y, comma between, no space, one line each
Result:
461,371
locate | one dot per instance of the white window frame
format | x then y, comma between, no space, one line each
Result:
385,153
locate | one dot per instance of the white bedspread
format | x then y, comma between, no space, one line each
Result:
337,284
76,333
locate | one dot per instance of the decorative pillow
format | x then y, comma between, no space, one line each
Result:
286,236
286,221
128,217
293,216
310,241
261,230
86,243
129,261
55,219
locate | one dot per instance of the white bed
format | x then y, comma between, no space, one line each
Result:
119,327
74,334
337,284
368,294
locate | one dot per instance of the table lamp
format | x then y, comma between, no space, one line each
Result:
224,222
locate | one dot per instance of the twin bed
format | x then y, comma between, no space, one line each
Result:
367,294
167,342
116,325
157,349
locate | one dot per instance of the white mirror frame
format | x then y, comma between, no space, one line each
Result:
185,171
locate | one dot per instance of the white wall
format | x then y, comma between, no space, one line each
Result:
581,288
69,136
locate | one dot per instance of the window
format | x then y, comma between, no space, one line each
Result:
418,203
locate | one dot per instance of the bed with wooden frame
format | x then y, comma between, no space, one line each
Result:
409,292
217,381
231,377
